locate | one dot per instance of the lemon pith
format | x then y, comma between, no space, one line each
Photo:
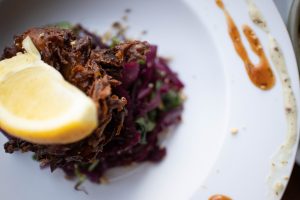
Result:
38,105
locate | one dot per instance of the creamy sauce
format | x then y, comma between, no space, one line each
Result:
278,179
219,197
257,17
260,74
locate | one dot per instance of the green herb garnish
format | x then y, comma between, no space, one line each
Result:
80,179
171,100
114,42
34,157
93,165
145,125
158,84
141,62
63,25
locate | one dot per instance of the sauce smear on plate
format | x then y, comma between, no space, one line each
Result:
279,173
219,197
260,74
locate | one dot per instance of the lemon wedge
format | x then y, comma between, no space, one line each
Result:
38,105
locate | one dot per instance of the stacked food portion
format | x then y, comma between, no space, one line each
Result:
128,97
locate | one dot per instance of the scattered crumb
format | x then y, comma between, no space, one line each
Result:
257,21
117,31
284,162
104,180
234,131
117,25
106,36
286,178
127,10
120,28
182,96
278,188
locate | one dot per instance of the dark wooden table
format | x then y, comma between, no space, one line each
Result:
293,189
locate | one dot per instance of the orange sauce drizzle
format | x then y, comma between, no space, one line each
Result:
219,197
260,74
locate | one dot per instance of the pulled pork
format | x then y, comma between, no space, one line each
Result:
96,71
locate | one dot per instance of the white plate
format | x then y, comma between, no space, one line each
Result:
203,158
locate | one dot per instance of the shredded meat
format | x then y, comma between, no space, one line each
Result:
96,71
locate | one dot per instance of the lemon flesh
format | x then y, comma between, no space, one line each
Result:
38,105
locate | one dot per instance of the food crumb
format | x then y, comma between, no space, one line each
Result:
107,36
117,25
278,188
127,10
182,96
284,162
234,131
